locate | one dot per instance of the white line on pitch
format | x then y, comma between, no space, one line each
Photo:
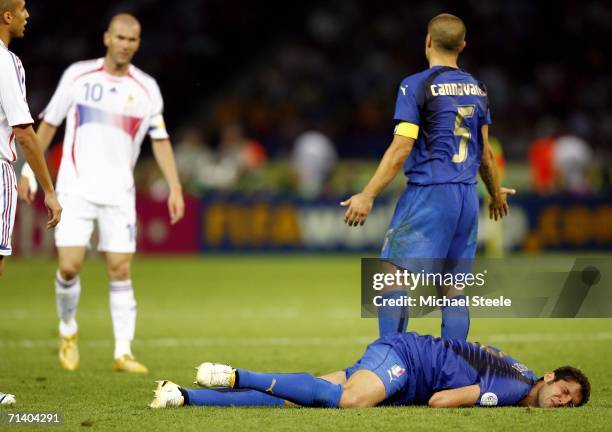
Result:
308,341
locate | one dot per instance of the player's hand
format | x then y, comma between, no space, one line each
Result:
359,207
498,205
176,206
24,191
54,210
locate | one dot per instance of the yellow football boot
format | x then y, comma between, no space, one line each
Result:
127,363
69,352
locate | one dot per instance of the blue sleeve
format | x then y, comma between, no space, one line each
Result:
487,119
406,107
502,390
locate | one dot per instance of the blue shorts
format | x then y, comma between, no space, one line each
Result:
381,358
434,223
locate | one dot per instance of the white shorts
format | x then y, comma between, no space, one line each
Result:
116,224
8,206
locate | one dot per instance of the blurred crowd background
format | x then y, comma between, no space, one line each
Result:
297,97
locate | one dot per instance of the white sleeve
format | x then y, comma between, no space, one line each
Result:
12,91
60,103
157,125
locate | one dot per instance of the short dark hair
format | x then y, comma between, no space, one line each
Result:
569,373
447,32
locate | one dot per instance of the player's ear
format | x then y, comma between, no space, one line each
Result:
106,39
549,377
462,47
7,17
428,40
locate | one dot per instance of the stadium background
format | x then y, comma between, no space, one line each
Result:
242,85
242,82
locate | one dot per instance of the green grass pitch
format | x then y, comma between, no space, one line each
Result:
295,313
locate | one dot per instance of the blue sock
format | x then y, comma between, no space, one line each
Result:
230,397
392,319
300,388
455,321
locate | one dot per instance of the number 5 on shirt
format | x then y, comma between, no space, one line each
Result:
463,112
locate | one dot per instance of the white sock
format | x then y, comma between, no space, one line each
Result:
123,312
67,293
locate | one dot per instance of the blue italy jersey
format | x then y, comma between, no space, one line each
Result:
434,364
449,106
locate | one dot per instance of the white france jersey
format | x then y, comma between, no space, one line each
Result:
13,105
107,118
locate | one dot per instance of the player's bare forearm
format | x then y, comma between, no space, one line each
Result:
32,152
359,205
162,150
390,164
455,398
488,166
45,133
488,172
27,185
498,203
164,156
31,149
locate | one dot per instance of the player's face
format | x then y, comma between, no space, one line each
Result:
555,394
20,18
122,41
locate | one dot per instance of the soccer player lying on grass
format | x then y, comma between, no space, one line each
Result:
402,369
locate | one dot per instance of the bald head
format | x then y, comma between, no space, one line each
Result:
447,33
122,20
8,5
122,40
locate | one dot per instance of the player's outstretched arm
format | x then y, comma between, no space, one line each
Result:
28,142
455,398
498,204
27,186
359,205
162,150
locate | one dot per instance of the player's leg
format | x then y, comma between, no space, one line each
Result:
362,390
456,319
418,238
72,236
168,394
68,287
117,226
123,311
8,207
394,319
377,375
67,295
338,377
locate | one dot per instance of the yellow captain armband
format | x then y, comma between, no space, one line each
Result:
408,130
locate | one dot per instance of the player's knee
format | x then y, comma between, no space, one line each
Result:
119,271
353,399
437,401
69,269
